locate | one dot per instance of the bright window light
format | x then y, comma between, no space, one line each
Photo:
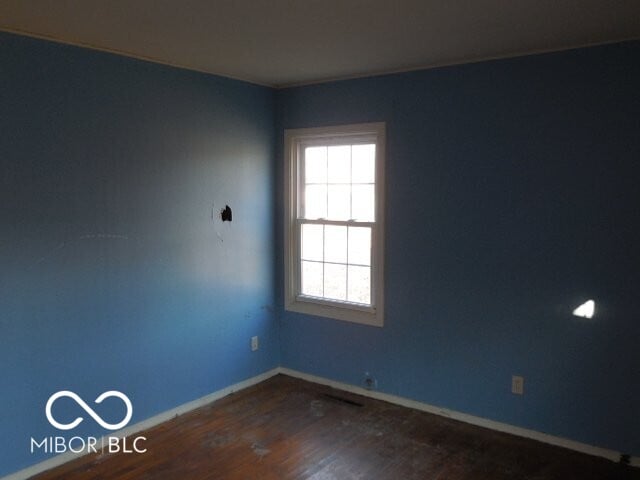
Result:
334,222
586,310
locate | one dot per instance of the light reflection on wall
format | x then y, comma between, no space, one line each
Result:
586,310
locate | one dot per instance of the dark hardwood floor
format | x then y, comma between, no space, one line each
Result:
286,428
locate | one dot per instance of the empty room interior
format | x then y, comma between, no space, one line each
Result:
325,240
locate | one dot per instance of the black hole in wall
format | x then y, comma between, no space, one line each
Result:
225,213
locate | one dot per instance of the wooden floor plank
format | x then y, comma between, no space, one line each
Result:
285,428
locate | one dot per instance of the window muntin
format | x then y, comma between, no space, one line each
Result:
334,248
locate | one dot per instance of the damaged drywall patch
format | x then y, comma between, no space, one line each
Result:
224,215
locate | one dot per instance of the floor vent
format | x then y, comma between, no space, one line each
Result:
336,398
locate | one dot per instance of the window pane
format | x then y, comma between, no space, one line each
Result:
363,166
360,245
339,202
312,242
315,201
335,281
335,244
362,203
311,279
339,164
359,285
315,164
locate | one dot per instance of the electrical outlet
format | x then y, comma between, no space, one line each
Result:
254,343
517,385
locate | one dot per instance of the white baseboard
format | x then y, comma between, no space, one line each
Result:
144,425
404,402
466,418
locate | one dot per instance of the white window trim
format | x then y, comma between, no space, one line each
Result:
293,139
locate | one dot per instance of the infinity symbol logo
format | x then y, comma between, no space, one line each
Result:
89,410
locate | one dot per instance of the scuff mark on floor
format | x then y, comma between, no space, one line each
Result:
259,449
317,408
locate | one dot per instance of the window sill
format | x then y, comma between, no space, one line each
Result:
337,311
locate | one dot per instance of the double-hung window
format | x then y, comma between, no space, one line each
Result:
334,222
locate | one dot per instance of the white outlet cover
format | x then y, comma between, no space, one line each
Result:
517,385
254,344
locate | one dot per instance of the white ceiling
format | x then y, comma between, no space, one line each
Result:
288,42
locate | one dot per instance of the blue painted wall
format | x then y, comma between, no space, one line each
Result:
513,195
116,272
